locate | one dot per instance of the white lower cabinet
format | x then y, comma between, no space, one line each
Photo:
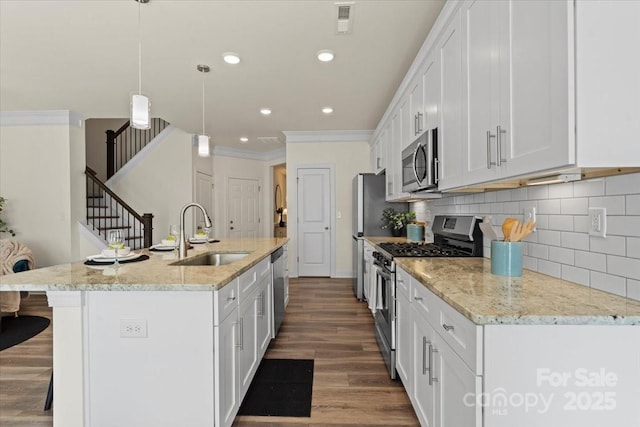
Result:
441,386
226,370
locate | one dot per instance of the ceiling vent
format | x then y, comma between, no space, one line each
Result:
269,139
345,17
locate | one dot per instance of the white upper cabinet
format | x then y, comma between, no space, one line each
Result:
515,80
416,105
448,59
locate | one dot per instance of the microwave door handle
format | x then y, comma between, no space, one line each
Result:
415,171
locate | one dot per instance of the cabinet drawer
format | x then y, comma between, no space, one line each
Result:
250,279
403,281
225,300
464,336
424,301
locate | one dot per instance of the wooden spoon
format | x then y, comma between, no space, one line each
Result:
507,225
521,231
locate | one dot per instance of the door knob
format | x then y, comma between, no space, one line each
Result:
326,228
231,228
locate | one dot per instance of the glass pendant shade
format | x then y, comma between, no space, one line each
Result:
203,145
140,112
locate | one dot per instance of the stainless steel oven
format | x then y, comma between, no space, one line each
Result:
385,313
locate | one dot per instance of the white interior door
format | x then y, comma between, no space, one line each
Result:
314,222
204,190
244,207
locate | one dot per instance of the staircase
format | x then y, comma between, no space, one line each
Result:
106,210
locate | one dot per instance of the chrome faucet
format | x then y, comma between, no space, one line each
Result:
182,248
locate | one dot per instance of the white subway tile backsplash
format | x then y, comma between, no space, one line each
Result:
574,240
633,204
579,206
581,224
538,251
561,191
562,255
622,184
549,206
548,237
561,245
621,266
633,247
561,222
623,225
589,188
575,274
549,268
613,245
633,289
538,192
613,204
608,283
591,260
519,194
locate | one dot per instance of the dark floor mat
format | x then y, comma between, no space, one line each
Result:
14,330
281,387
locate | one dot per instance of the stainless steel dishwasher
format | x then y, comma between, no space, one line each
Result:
278,276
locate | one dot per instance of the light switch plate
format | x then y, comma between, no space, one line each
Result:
598,222
530,214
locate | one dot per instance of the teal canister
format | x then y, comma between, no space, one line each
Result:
415,232
506,258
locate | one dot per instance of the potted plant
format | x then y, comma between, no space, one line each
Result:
396,221
4,227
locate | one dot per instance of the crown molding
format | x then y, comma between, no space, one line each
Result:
328,136
41,118
239,153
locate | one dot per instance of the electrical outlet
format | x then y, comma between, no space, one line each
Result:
598,222
133,328
530,214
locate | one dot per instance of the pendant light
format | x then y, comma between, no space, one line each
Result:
203,139
140,105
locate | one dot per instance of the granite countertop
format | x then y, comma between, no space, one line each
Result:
154,274
486,299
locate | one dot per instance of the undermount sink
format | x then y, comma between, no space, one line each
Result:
213,258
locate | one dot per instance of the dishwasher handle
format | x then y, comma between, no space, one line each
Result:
275,255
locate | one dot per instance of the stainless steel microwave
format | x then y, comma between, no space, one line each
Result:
420,163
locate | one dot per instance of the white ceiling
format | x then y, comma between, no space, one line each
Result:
83,56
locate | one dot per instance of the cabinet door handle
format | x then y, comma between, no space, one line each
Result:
424,355
231,298
448,327
499,133
378,163
417,298
415,125
239,340
419,123
432,378
489,162
436,172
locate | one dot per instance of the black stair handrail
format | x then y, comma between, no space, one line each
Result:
126,142
138,227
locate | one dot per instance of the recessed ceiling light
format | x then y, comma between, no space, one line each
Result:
231,58
327,110
265,111
326,56
244,139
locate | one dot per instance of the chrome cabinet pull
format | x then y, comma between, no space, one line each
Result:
432,378
499,133
417,298
489,162
418,127
239,337
424,355
233,298
448,327
242,333
436,164
378,163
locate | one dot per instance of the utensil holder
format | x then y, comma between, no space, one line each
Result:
506,258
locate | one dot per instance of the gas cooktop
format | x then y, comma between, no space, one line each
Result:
422,250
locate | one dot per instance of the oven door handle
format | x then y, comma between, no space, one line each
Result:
382,271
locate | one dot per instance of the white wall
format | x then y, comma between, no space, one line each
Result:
561,246
160,182
42,178
231,167
349,159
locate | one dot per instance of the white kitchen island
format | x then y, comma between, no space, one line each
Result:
155,343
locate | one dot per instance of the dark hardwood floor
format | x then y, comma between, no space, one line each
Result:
324,322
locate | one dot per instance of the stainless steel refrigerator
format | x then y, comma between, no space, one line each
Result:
368,203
